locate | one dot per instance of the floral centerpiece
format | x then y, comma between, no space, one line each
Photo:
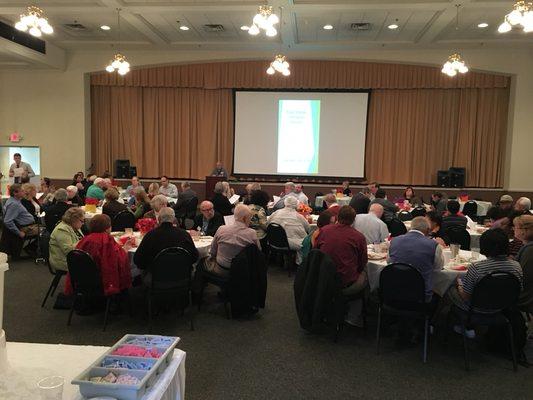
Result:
90,205
145,225
304,210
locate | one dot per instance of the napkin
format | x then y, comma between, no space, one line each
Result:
471,224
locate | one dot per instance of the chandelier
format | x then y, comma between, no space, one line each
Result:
454,65
522,14
280,65
265,20
118,63
33,20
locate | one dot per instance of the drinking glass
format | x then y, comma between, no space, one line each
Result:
455,250
475,253
51,387
129,231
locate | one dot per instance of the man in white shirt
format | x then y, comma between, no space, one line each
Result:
17,169
302,198
289,191
168,189
371,225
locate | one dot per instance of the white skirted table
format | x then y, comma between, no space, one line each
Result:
342,201
29,362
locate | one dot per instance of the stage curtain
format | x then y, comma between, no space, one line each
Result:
177,132
413,133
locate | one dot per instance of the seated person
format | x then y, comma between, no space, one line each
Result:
346,191
30,202
55,212
153,190
494,244
502,209
142,204
162,237
112,206
208,221
47,190
295,225
73,196
80,182
523,204
438,202
331,204
361,201
371,225
135,183
523,228
389,209
221,201
302,198
187,195
229,241
288,191
409,195
418,250
18,223
325,218
111,259
65,236
435,228
157,203
452,218
227,191
168,189
96,190
347,248
258,205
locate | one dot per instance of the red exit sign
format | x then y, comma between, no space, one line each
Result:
15,137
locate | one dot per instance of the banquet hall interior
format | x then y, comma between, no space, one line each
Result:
282,199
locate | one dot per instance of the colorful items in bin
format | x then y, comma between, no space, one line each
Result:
125,379
148,341
131,350
126,364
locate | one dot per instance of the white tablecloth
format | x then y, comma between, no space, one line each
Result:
442,280
343,201
482,207
29,362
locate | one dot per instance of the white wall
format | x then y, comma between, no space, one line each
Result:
50,108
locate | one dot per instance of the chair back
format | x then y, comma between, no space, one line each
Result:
401,286
396,227
191,207
277,237
124,219
418,212
84,273
405,216
470,209
495,292
458,235
171,269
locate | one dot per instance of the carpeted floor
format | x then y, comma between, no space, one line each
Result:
270,357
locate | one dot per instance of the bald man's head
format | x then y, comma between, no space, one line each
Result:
242,214
207,209
377,210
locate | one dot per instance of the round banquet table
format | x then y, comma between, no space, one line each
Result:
442,279
474,233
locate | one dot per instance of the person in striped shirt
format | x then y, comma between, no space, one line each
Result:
494,244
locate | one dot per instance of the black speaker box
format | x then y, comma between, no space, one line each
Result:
443,178
457,177
133,172
122,169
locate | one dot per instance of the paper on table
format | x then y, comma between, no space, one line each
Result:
276,199
229,219
234,199
39,195
471,224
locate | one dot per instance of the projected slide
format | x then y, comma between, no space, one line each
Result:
298,136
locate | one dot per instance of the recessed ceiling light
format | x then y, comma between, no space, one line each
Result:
482,25
328,27
245,28
105,28
393,26
184,28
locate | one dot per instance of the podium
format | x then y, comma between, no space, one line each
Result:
210,182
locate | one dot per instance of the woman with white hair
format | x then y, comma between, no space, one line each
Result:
220,200
73,197
295,225
157,203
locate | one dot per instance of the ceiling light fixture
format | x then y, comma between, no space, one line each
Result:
245,28
184,28
119,62
34,20
328,27
105,27
482,25
393,26
264,20
280,63
522,14
455,64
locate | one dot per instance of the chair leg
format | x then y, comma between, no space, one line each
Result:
227,308
465,344
71,310
108,301
48,293
201,295
192,313
378,330
426,329
55,284
511,343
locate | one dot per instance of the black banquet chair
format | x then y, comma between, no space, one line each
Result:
279,244
121,221
405,216
171,274
396,227
86,281
402,293
418,212
494,294
470,209
458,235
44,241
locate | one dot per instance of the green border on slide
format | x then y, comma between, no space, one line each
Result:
315,115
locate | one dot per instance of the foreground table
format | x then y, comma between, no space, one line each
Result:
30,362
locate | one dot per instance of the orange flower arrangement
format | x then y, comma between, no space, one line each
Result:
303,209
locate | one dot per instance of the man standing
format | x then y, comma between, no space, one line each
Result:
371,225
219,170
19,167
168,189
